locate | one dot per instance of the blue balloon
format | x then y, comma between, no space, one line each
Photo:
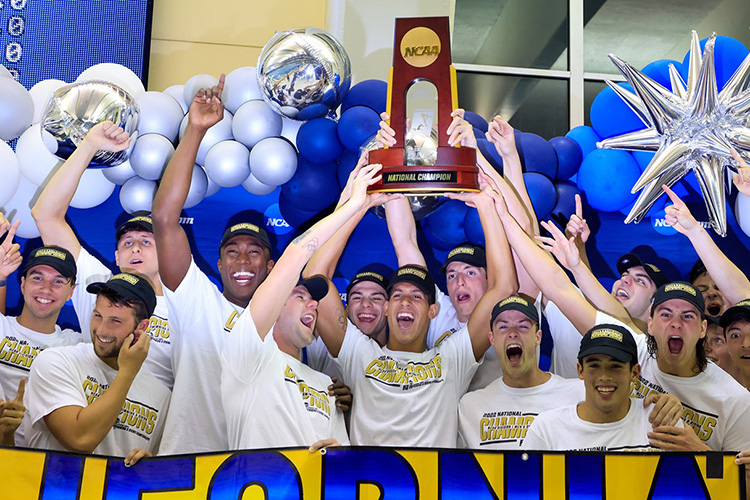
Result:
478,134
539,155
318,142
473,227
445,226
292,215
642,158
370,93
728,54
610,116
476,121
586,137
569,156
542,193
356,125
490,153
346,163
566,201
606,177
314,186
659,71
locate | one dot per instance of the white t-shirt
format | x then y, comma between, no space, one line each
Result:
446,323
271,399
320,360
563,430
498,416
716,405
405,398
75,376
200,318
159,360
19,346
566,342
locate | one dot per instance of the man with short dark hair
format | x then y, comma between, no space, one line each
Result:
736,324
715,301
95,398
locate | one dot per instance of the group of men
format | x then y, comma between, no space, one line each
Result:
169,363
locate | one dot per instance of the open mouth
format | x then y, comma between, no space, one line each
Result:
366,317
307,320
43,300
135,262
463,297
675,345
514,352
713,309
105,341
622,294
606,391
405,320
243,277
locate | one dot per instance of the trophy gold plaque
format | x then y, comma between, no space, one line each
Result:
422,52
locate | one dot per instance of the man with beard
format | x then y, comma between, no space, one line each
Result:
95,398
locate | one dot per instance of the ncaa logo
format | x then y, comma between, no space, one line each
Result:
275,221
660,224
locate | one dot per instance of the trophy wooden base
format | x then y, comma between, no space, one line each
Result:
455,170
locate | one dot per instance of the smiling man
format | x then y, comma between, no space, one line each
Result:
135,247
95,398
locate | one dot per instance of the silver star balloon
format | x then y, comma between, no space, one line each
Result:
691,127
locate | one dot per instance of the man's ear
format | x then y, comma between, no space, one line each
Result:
635,372
434,308
580,370
143,325
270,264
117,258
539,337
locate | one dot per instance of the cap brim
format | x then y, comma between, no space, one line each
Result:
614,352
317,286
733,314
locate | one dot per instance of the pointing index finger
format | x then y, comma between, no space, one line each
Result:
673,196
21,391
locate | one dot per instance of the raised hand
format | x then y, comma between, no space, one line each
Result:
564,249
366,177
11,414
207,109
678,214
460,131
133,354
10,255
742,178
500,133
107,136
386,135
577,225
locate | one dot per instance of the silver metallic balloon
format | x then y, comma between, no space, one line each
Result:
75,109
419,149
304,73
693,127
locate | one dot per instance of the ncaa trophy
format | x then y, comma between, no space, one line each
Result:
421,52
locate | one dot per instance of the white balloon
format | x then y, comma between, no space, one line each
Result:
41,94
742,212
290,128
9,173
159,114
120,173
255,121
254,186
16,109
176,92
93,189
196,83
115,73
240,86
228,163
35,160
4,73
137,194
222,131
150,156
273,161
212,188
19,208
198,187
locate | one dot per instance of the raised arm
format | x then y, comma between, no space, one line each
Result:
10,257
173,248
731,281
49,210
545,272
501,274
81,429
269,298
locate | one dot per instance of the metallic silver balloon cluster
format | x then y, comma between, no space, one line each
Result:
691,128
304,73
74,109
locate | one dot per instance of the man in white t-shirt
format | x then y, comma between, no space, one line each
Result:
736,324
271,399
48,281
95,398
607,419
135,245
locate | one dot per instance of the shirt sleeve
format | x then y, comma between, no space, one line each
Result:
457,348
51,385
89,270
188,304
534,439
244,353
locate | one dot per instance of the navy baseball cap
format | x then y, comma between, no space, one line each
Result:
417,276
679,290
55,257
632,260
128,285
515,303
246,228
140,221
468,253
612,340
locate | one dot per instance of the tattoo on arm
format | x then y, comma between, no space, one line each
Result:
341,313
311,246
